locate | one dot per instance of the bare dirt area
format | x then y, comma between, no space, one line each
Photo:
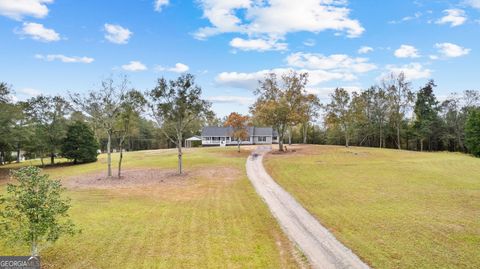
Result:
4,176
292,149
148,177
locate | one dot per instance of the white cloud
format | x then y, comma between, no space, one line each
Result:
450,50
415,16
30,92
159,4
412,71
320,69
309,42
338,62
365,50
178,68
250,80
257,44
455,17
117,34
37,31
17,9
134,66
473,3
241,100
406,51
276,18
65,59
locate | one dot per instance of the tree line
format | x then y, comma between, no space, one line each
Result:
388,115
117,117
113,117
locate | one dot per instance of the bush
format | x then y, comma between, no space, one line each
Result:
80,144
34,211
472,132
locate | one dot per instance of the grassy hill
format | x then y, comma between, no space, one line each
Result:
209,218
395,209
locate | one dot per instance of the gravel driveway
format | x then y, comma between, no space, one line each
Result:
322,249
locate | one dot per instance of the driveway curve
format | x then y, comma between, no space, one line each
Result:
322,249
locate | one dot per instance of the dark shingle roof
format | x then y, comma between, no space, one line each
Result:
216,131
226,131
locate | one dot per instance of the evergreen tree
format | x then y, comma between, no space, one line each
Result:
426,113
472,132
80,144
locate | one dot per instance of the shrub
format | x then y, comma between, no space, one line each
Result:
34,211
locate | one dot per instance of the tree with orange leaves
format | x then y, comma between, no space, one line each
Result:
239,125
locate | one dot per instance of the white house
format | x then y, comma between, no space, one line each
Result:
216,136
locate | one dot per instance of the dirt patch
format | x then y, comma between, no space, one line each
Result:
4,176
292,150
150,177
160,184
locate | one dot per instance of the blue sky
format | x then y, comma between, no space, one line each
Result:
56,46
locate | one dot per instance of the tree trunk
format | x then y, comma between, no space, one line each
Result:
421,144
289,136
179,159
18,152
179,146
381,138
52,158
121,158
347,141
305,129
460,143
109,155
34,248
280,142
399,143
238,146
407,144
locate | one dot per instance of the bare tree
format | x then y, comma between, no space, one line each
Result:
103,107
309,109
132,105
400,98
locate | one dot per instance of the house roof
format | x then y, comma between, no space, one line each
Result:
226,131
216,131
194,138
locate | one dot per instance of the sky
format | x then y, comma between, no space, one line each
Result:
53,47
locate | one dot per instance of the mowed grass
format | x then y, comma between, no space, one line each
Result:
201,222
395,209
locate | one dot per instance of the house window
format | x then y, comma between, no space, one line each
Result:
262,139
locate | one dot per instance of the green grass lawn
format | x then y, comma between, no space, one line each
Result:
201,222
395,209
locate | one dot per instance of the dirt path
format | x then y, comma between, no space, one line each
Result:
322,249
